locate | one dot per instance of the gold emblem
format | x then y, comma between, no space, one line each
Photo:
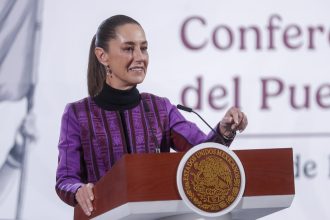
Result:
211,179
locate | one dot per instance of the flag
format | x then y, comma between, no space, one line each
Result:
17,43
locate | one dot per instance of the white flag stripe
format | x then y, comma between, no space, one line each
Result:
6,9
16,55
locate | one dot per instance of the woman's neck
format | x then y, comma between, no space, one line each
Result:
113,99
118,86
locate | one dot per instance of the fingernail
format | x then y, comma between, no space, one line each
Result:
90,209
88,213
92,198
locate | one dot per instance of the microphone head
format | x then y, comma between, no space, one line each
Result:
184,108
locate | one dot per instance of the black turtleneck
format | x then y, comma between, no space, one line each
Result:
112,99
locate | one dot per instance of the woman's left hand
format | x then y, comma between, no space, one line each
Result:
234,120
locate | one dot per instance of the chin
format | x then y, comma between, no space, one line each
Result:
139,79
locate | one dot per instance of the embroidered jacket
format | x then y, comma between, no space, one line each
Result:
93,139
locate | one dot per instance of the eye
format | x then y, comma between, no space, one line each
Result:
129,49
144,48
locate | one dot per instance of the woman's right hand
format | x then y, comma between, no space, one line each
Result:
84,197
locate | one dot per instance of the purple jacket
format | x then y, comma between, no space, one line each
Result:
92,139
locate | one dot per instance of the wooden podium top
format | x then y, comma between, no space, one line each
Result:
152,177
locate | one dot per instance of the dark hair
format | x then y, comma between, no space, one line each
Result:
96,72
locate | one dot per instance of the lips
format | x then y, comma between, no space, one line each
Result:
136,68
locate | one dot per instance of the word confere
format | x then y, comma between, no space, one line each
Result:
196,34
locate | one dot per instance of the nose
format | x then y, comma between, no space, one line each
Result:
139,55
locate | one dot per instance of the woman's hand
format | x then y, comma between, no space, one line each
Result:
84,197
234,120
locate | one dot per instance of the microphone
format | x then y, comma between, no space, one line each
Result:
187,109
153,136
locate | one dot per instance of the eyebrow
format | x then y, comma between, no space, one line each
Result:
133,43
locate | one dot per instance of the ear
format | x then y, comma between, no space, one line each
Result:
101,55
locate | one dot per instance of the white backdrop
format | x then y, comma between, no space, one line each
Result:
281,81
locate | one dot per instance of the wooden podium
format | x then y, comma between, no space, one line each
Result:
143,186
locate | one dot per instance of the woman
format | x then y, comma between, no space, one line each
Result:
116,119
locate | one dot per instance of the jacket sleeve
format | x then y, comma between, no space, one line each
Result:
69,174
185,134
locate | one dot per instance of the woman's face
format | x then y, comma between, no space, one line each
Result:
127,57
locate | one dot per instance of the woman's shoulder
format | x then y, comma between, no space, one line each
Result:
154,98
162,103
79,105
79,102
146,95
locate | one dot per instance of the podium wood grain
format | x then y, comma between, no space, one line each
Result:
152,177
